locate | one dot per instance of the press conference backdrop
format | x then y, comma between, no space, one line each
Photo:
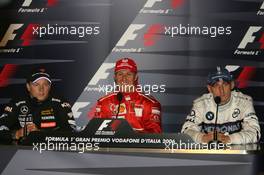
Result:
174,42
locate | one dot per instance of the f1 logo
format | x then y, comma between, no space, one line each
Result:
10,35
174,3
26,3
249,38
150,3
101,73
130,34
104,125
262,6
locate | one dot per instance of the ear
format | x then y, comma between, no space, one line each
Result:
209,88
115,77
28,87
232,84
136,77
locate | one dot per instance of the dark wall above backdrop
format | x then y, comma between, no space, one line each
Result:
73,56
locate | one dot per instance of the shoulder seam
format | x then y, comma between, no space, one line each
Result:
152,100
56,100
200,99
107,96
243,96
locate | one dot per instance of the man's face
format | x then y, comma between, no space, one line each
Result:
221,89
126,80
40,89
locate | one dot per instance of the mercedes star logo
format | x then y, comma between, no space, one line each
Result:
24,109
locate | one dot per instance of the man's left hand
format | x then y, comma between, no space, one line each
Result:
223,138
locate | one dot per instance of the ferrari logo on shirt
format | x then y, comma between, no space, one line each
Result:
138,112
122,109
127,98
114,109
155,118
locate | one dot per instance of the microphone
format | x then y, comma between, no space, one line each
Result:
25,133
217,100
215,140
119,97
25,128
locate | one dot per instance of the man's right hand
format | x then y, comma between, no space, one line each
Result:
221,137
30,127
207,137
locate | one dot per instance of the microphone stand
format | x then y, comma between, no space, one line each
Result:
25,133
119,98
215,140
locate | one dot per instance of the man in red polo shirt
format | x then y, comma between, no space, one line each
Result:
142,112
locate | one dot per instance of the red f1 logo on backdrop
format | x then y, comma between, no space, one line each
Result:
25,8
148,38
174,3
251,37
161,6
6,73
152,34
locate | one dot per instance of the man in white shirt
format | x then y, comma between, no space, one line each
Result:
237,121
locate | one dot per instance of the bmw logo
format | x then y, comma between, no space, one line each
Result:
209,115
192,113
236,113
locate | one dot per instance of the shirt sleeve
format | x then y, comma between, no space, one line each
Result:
250,132
192,124
98,110
102,109
152,118
9,118
68,121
